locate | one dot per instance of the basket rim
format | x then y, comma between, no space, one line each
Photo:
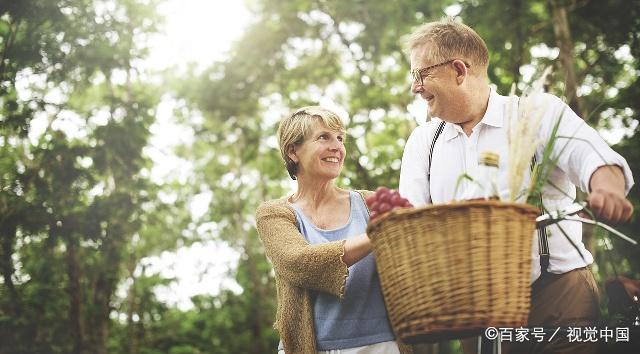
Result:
400,213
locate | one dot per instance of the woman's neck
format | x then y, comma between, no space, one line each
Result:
314,194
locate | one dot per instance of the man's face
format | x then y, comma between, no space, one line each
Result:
436,83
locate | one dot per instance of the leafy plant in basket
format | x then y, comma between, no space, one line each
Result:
526,116
524,120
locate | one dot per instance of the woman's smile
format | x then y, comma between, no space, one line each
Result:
331,159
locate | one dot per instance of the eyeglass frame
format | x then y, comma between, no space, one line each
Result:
418,73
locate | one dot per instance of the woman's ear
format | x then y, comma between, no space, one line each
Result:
291,152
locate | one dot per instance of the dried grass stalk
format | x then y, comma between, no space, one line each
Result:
524,116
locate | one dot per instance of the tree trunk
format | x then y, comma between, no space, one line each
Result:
132,308
103,288
8,235
8,43
564,42
75,298
518,46
99,321
103,291
562,31
257,324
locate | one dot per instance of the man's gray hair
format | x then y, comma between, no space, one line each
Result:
449,39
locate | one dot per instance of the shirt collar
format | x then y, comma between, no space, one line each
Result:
494,116
451,131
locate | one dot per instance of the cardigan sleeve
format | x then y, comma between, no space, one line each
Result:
318,267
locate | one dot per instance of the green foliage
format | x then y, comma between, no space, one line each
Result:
79,213
299,51
71,197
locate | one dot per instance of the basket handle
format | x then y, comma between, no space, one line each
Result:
568,214
602,225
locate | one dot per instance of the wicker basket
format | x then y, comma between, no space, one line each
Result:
449,271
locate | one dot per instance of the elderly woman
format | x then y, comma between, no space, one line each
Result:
329,297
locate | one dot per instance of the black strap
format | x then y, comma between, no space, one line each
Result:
433,143
543,241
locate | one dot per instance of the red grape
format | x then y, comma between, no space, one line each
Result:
381,190
385,200
384,197
384,207
370,200
396,199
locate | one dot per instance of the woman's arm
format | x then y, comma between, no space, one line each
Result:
356,248
319,267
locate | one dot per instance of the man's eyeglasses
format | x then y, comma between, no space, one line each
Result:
419,74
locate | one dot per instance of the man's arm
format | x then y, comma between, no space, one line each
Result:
413,170
607,194
589,162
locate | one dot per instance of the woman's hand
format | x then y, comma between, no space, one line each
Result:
356,248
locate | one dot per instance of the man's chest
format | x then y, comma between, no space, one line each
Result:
455,162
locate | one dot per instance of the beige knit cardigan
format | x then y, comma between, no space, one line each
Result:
299,268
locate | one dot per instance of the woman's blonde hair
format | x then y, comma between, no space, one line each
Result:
449,39
296,127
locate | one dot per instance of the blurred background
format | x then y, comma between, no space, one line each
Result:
137,138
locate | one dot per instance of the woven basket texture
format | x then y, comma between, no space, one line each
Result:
450,271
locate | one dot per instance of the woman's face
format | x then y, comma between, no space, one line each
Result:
322,153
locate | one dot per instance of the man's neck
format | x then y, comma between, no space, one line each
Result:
478,104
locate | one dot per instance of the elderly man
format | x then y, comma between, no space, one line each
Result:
449,62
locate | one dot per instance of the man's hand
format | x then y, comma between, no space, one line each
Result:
607,198
631,286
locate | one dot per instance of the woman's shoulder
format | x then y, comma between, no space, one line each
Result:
364,193
279,205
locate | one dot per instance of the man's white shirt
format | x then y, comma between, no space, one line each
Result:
455,154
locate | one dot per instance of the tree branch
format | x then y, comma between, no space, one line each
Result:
11,37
